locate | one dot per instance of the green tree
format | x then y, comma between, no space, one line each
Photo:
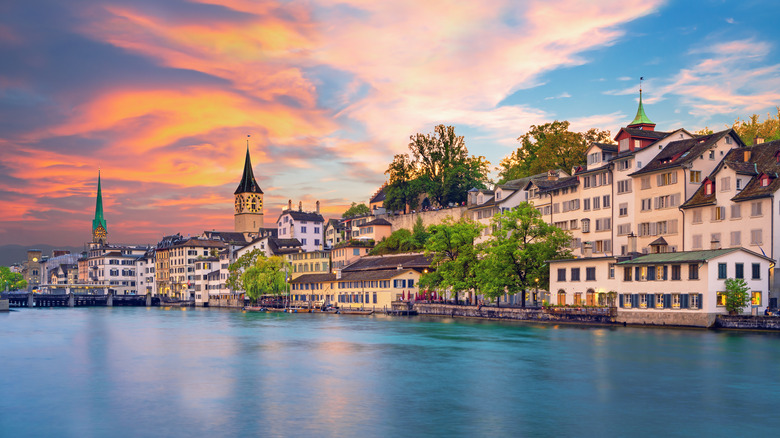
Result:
11,280
515,257
736,295
420,234
439,165
237,268
356,210
453,253
399,241
751,128
547,147
266,276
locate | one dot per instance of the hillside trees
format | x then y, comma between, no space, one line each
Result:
454,256
547,147
438,164
356,210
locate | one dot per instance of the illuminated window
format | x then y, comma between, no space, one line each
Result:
755,298
642,301
721,299
659,301
694,301
675,301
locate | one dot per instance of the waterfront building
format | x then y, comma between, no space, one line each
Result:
248,216
182,258
308,262
144,272
583,281
203,278
32,269
348,251
305,226
162,263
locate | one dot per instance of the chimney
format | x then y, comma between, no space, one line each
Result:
552,175
631,243
715,244
747,155
289,204
318,206
758,140
300,205
587,250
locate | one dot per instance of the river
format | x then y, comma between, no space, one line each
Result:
137,372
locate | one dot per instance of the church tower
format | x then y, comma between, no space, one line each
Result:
99,230
249,200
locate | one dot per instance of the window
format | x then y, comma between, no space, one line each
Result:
695,176
642,301
355,251
590,274
624,164
739,270
647,204
666,179
606,201
722,271
755,298
736,211
696,217
575,274
611,270
715,238
725,184
675,301
756,237
586,225
624,186
676,272
316,230
303,229
693,300
625,299
739,184
756,271
693,271
755,208
660,301
736,238
645,182
627,274
586,204
721,299
623,209
562,274
712,155
718,213
623,229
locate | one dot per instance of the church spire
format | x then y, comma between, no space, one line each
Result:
248,183
641,118
99,230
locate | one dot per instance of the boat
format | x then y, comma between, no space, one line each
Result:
355,312
255,309
298,310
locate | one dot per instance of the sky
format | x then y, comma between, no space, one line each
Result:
160,96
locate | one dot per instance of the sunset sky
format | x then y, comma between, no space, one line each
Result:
161,95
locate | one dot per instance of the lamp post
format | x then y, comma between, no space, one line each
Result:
536,293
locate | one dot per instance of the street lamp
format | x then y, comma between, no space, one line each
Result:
536,293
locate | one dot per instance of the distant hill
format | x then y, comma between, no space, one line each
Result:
10,254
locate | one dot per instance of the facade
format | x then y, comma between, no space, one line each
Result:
33,270
183,281
584,281
349,251
334,233
375,230
144,272
306,227
309,262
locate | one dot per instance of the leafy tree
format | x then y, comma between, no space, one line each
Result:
398,242
238,267
420,234
266,276
439,165
515,256
11,280
356,210
736,295
547,147
453,253
751,128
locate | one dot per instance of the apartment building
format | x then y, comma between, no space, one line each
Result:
307,227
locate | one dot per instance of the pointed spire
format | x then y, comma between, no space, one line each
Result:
99,220
248,183
641,118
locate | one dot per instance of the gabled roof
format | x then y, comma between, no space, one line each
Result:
521,183
302,216
659,242
686,256
680,152
248,183
389,261
380,195
608,147
700,198
548,186
283,246
643,133
226,236
375,223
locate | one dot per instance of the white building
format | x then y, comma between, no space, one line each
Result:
307,227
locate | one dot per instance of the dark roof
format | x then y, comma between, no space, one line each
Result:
685,256
700,197
764,160
313,278
561,183
226,236
380,195
379,274
659,241
680,152
284,246
521,183
644,133
609,147
594,170
194,241
248,183
375,222
390,261
302,216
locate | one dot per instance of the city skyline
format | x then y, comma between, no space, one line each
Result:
161,97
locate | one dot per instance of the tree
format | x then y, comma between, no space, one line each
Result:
547,147
453,253
266,276
398,242
238,267
11,280
356,210
514,258
736,295
439,165
751,128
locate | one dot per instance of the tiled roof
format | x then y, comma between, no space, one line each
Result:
201,243
594,170
226,236
685,256
390,261
608,147
284,246
375,222
303,216
680,152
765,161
380,195
547,185
644,133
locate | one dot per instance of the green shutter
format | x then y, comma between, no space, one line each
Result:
650,301
620,299
667,301
683,301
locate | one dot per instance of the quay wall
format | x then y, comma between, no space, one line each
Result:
519,314
748,322
433,217
4,306
681,319
231,302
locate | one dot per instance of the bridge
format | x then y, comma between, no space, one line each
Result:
27,299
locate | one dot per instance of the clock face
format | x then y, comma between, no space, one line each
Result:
254,203
35,259
239,204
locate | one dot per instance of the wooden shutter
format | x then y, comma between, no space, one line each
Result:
634,300
667,301
684,301
620,300
674,177
650,301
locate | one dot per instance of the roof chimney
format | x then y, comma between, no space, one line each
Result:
715,244
289,204
300,205
552,175
747,155
318,206
631,243
758,140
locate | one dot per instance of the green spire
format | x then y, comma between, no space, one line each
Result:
641,117
99,219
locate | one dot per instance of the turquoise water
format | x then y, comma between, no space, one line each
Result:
130,372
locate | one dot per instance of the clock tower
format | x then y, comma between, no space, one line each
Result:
99,230
248,200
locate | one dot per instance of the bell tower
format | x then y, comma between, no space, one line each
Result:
248,200
99,230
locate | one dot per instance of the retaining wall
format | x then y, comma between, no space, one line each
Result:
4,305
407,221
683,319
508,313
748,322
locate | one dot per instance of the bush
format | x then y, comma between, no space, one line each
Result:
736,295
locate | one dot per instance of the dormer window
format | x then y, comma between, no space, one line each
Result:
709,187
764,180
728,139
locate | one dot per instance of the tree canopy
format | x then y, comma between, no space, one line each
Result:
403,240
258,275
454,256
11,280
752,127
439,165
515,257
736,294
548,147
356,210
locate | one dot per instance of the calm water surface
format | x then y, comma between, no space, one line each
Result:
128,372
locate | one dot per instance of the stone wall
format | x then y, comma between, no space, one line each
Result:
231,302
4,305
509,313
407,221
748,322
683,319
